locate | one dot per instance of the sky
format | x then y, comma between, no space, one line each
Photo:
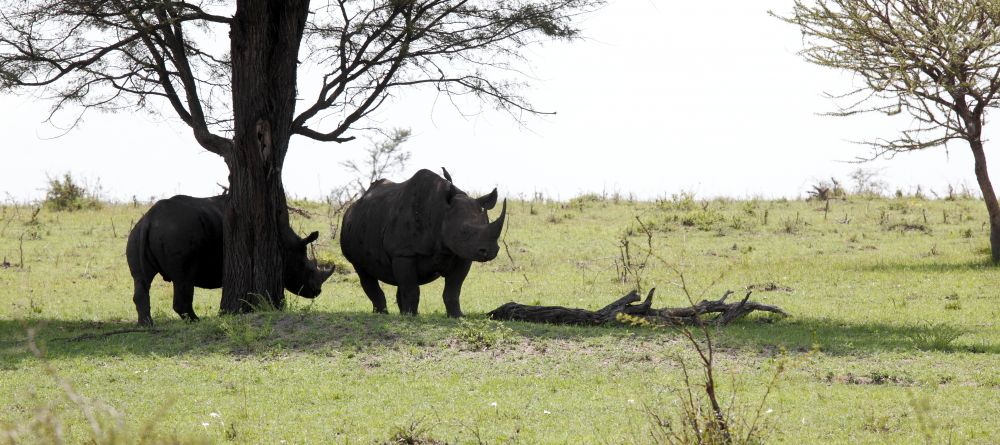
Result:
659,97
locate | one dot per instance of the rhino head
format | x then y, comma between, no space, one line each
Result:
467,230
303,277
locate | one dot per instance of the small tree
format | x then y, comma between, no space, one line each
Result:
381,158
936,60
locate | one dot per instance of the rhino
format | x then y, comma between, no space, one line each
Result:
180,238
410,233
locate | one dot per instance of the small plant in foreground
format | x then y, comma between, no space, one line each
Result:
935,337
701,418
791,226
242,330
929,428
415,433
105,424
483,333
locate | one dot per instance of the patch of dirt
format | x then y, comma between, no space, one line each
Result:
874,378
908,227
769,287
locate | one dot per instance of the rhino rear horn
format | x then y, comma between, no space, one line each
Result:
489,201
446,175
496,227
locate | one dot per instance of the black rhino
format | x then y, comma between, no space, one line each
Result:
180,238
413,232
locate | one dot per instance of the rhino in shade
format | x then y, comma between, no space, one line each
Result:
410,233
181,239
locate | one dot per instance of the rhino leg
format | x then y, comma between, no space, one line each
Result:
183,300
373,291
407,286
141,299
453,289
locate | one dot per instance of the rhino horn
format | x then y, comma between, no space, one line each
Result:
446,175
496,227
488,201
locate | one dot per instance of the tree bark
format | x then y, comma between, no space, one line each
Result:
265,36
989,195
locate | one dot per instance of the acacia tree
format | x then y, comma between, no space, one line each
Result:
230,70
936,60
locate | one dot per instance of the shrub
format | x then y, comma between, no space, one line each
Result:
702,219
935,337
483,333
824,191
67,195
581,202
683,201
242,331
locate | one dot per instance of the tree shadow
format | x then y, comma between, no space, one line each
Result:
250,334
842,338
315,331
974,265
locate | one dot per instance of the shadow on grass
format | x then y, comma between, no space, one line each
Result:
838,337
974,265
266,333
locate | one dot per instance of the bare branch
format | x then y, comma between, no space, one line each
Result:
938,61
459,47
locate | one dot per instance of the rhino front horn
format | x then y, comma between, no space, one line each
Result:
496,227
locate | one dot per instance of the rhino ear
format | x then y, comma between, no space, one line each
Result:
450,194
446,175
312,237
489,201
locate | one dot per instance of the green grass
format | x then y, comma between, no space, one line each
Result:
892,336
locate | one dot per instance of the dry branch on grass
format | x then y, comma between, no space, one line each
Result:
727,312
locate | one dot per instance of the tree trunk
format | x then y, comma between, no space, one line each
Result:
992,206
265,36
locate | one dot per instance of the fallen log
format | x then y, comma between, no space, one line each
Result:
690,315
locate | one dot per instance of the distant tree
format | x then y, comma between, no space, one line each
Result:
936,60
381,158
230,70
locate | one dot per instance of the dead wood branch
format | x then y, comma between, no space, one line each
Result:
727,312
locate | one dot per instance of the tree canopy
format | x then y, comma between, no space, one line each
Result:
125,54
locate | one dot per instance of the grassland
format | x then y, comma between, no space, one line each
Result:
892,337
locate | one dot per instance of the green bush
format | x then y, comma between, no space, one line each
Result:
702,219
67,195
483,333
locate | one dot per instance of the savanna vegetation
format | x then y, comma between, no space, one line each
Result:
891,338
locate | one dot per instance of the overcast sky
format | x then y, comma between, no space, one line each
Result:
662,96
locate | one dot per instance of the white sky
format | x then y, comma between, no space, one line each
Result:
662,96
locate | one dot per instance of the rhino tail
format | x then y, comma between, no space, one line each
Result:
147,263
